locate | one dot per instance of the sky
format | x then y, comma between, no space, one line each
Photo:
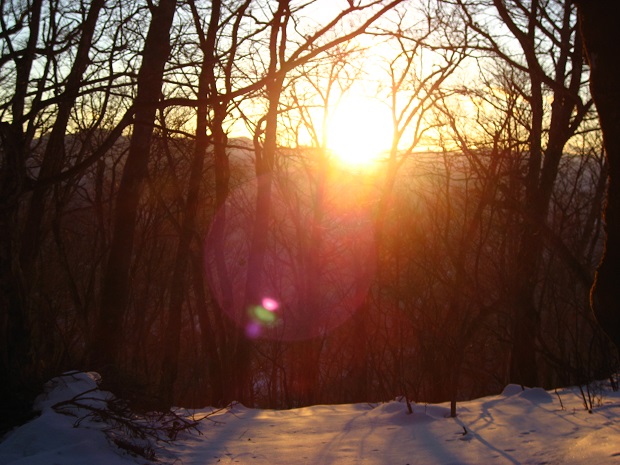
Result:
531,426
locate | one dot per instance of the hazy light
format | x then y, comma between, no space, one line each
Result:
270,304
262,316
253,330
345,257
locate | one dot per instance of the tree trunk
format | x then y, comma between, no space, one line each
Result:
107,344
54,155
206,86
543,164
265,156
599,29
17,365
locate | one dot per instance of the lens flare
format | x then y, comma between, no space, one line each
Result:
262,315
253,330
270,304
317,267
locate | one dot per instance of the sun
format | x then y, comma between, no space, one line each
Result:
359,131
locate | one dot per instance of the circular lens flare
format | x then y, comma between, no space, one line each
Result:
317,268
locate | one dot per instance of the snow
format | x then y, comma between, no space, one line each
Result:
531,426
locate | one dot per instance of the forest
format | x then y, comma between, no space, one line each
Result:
175,215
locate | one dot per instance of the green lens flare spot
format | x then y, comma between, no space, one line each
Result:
263,315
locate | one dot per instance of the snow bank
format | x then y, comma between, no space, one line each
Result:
56,438
530,426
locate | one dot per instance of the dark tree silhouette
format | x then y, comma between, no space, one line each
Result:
116,289
599,29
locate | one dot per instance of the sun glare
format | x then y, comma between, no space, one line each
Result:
360,131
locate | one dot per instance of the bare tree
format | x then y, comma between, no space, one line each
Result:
54,155
281,59
108,340
600,33
37,153
555,71
16,324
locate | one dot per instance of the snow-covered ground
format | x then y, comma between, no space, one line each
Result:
516,427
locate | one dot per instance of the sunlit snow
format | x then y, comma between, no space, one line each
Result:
518,426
